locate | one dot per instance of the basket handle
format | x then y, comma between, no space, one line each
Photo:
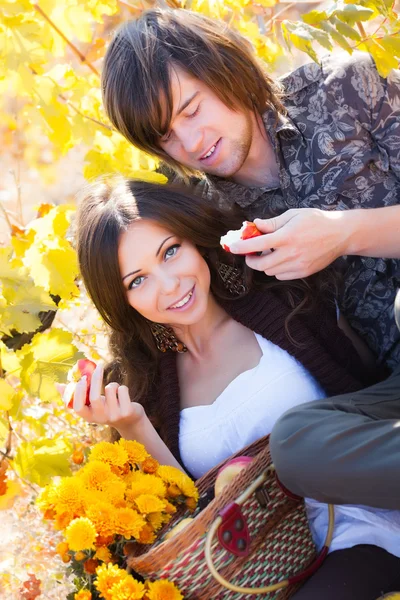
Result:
276,586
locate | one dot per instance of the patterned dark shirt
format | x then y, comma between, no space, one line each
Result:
338,148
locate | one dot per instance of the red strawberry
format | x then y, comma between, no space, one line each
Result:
247,231
83,367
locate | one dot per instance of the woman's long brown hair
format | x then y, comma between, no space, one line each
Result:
106,210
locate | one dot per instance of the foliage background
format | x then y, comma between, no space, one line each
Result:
54,136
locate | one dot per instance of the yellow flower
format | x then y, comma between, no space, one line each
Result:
150,465
113,454
103,553
107,576
172,475
83,595
147,503
127,589
69,496
128,522
46,498
80,534
147,535
80,555
163,590
62,548
136,451
158,519
102,515
63,519
140,483
97,476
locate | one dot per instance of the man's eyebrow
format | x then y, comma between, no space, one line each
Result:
157,253
187,102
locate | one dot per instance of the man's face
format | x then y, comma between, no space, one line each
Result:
204,134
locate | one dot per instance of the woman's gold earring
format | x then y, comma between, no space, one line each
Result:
166,339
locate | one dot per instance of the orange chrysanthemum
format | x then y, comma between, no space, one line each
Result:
128,522
127,589
147,535
163,590
113,454
150,465
147,503
102,515
80,534
107,576
136,451
103,554
83,595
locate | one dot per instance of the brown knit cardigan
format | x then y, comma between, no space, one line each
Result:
318,344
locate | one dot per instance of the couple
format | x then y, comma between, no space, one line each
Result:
251,338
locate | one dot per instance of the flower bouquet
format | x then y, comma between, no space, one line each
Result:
118,498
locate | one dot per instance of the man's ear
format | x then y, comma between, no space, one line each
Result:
397,309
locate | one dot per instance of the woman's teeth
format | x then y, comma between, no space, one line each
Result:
210,152
184,301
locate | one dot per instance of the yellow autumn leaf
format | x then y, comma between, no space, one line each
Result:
9,360
8,499
46,361
7,394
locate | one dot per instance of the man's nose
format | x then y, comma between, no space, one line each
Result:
191,140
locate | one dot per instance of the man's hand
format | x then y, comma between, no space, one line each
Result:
304,241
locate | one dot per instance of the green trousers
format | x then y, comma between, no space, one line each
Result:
345,449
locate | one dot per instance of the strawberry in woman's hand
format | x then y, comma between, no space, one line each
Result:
247,231
83,368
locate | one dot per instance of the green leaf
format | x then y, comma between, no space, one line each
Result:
351,13
336,36
346,30
302,35
42,459
47,361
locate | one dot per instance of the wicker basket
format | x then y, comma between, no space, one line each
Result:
281,551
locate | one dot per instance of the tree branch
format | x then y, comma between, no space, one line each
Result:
66,40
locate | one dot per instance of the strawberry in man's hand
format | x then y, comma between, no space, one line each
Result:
83,367
247,231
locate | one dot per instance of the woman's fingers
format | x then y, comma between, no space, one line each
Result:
125,405
112,404
80,394
96,383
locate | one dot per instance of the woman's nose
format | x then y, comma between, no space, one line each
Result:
169,283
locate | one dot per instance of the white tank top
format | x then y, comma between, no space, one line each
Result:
245,411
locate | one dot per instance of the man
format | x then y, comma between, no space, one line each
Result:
298,153
344,450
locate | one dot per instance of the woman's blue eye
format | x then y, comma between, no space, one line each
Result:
171,251
135,282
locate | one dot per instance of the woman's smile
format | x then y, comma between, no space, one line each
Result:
185,302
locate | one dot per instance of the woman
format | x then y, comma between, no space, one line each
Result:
210,354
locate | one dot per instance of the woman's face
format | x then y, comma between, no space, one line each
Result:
166,279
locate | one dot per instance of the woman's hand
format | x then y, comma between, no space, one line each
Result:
114,408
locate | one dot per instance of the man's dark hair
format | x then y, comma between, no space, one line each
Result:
136,78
